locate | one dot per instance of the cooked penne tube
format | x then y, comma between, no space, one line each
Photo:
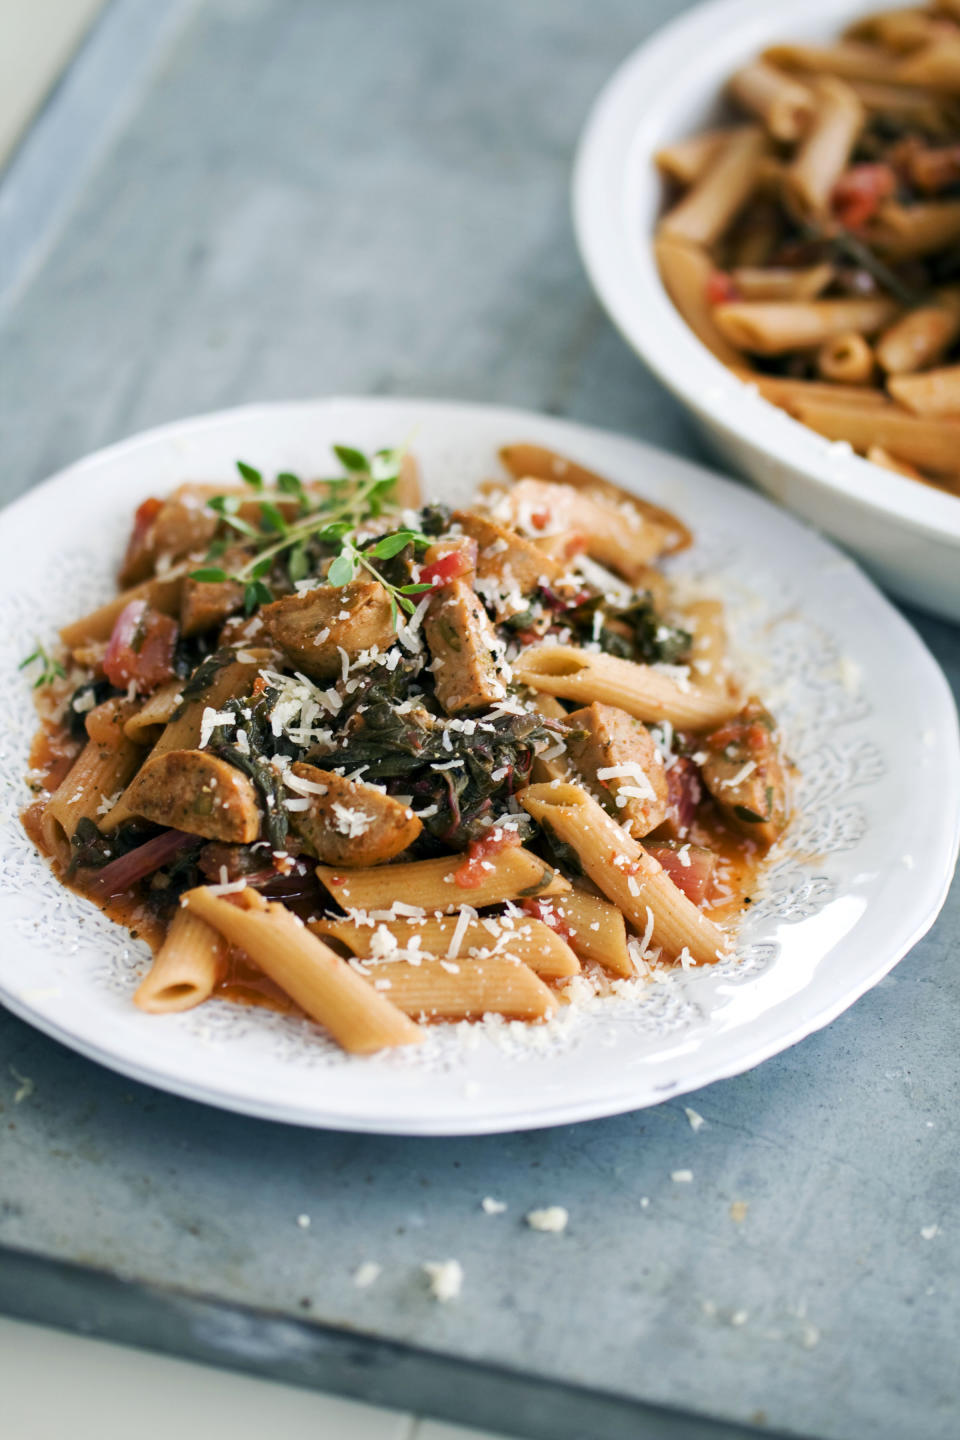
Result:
461,989
710,204
772,328
904,101
787,393
96,778
685,270
897,29
684,161
525,460
886,461
147,723
774,283
233,676
642,690
922,336
430,885
908,232
324,986
847,60
930,444
185,969
784,105
936,65
455,937
595,929
162,593
709,653
935,392
407,492
847,359
620,867
826,148
616,535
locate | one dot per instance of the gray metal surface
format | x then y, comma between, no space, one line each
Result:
335,197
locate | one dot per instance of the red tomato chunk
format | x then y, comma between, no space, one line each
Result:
473,871
141,648
858,195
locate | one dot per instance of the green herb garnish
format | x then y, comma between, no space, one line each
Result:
50,668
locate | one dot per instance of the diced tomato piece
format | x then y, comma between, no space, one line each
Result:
721,288
141,647
473,871
543,910
690,867
859,193
450,566
540,519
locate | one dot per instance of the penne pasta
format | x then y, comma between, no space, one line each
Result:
455,937
594,928
886,461
847,359
620,867
772,283
526,460
849,60
686,160
822,157
935,65
162,593
929,444
462,990
922,336
617,536
430,885
935,392
909,232
185,969
773,328
358,1017
713,201
96,777
146,724
784,105
903,30
709,654
686,270
643,691
788,393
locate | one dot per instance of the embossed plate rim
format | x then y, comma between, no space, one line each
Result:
279,1070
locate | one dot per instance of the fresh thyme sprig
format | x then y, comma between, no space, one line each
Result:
50,668
359,494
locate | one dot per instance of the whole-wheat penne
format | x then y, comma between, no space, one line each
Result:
324,986
910,232
935,392
594,928
523,459
185,969
96,778
620,867
162,593
849,60
776,283
616,535
906,102
902,30
886,461
784,105
922,336
643,691
788,393
829,140
714,199
462,989
146,724
430,885
848,359
936,65
709,652
773,328
929,444
456,937
684,161
686,270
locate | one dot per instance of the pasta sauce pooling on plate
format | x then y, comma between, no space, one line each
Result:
338,751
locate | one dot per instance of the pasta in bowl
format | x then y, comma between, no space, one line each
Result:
387,763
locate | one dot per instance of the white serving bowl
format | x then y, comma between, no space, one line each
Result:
907,534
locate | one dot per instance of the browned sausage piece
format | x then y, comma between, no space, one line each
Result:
193,791
617,757
347,822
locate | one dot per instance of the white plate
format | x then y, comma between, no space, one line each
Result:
908,534
867,712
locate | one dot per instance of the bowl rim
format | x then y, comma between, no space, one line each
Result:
613,162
